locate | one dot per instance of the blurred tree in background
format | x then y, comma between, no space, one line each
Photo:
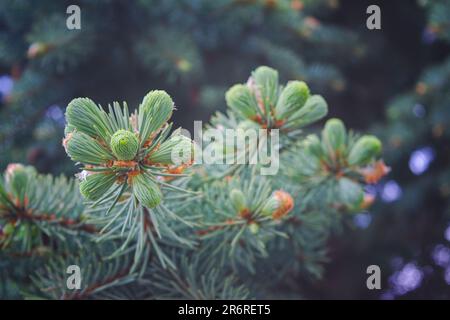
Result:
192,49
394,81
408,232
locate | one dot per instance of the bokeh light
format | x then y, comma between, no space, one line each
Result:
418,110
391,191
407,279
447,233
362,220
370,189
6,85
447,275
441,255
55,113
420,160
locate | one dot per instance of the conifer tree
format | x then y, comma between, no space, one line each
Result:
111,200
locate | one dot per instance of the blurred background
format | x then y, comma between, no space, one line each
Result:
393,82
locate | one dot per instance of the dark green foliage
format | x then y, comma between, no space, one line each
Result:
207,231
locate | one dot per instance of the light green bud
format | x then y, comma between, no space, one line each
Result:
292,98
146,191
238,200
96,185
157,106
334,135
314,109
124,145
266,80
242,101
364,150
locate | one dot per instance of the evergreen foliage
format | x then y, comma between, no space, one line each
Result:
156,229
141,226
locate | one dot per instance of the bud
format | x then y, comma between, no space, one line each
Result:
85,116
13,170
156,108
266,80
368,200
292,98
17,176
174,170
313,146
124,145
351,193
177,150
253,227
83,148
278,205
314,109
241,100
372,174
96,185
364,150
8,229
334,135
238,200
37,49
146,191
183,65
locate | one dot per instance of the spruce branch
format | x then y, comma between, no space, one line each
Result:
163,228
36,210
127,161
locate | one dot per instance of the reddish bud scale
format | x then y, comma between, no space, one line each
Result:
245,214
374,173
286,204
368,200
279,123
146,160
257,119
421,88
175,170
17,202
124,163
312,22
132,174
297,5
11,168
148,143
